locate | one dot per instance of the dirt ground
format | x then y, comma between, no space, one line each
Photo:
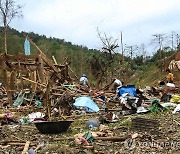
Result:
165,140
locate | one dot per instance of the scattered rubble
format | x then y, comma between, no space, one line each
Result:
43,110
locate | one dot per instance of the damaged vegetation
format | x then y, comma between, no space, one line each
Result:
44,108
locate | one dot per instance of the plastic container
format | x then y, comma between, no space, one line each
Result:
46,127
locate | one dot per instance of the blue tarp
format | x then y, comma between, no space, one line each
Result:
87,103
27,47
130,89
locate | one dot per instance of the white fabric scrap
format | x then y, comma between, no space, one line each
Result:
177,109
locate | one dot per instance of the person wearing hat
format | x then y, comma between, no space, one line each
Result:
116,84
84,80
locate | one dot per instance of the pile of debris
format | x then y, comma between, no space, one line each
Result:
34,82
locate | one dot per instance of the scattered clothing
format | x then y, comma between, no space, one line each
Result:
142,109
156,106
172,85
177,109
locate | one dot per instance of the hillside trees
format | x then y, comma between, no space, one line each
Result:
8,10
100,66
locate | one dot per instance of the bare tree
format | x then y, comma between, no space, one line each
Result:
131,49
106,57
9,10
109,43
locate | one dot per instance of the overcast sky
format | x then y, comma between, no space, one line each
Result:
76,21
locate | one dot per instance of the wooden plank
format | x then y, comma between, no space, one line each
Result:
33,78
23,63
26,147
46,60
19,56
73,73
12,80
41,69
34,82
48,102
54,59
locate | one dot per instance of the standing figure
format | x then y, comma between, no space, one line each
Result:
116,84
169,76
84,80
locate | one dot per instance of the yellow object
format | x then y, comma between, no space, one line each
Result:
175,99
2,115
170,77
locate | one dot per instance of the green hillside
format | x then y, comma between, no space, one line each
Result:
90,61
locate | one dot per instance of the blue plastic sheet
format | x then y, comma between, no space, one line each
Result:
19,100
87,103
130,89
27,47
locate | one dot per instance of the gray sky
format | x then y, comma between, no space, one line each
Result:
76,20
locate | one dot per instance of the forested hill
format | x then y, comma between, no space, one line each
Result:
77,55
99,66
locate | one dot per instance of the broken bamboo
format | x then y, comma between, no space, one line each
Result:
26,147
33,82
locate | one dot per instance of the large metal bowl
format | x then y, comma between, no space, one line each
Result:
46,127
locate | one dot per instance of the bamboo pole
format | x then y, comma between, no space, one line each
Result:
34,82
26,147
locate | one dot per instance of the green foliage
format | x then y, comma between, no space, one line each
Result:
89,61
159,55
